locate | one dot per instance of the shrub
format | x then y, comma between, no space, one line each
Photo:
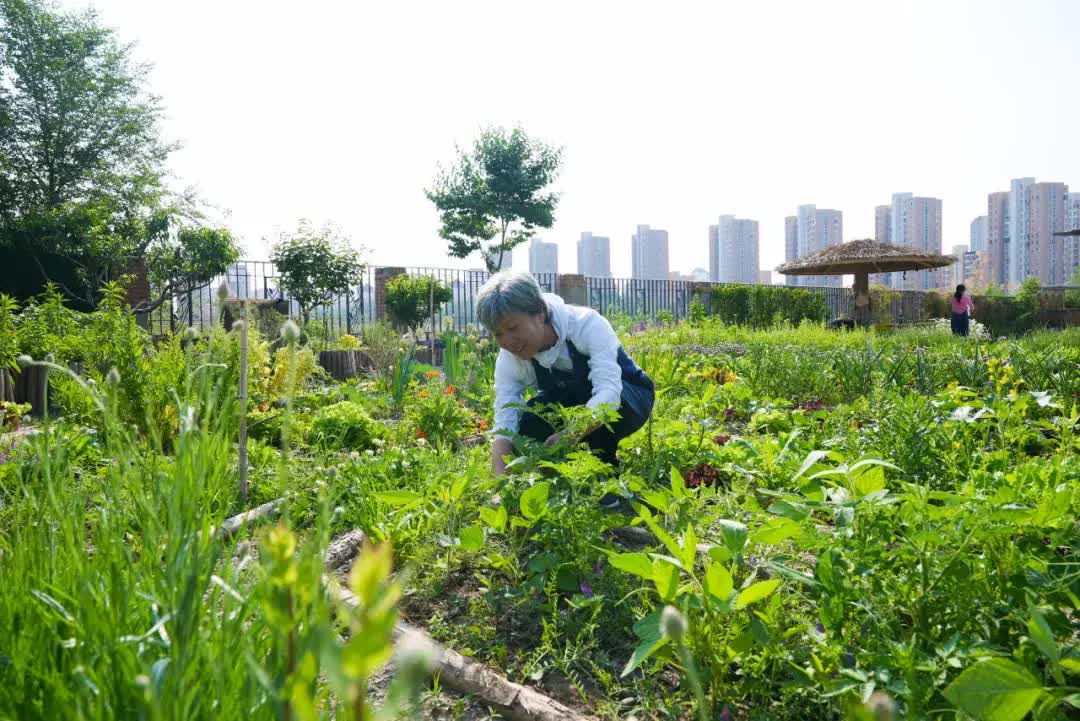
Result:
345,425
408,299
9,346
348,342
936,305
305,368
382,344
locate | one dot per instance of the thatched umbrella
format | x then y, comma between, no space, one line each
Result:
1068,232
861,258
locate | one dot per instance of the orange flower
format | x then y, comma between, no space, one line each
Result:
482,425
420,433
449,390
431,374
422,394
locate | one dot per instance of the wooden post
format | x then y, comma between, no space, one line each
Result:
862,299
242,453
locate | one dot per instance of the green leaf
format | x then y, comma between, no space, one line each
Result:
995,690
472,538
656,499
666,578
756,592
811,459
398,498
775,530
678,485
495,518
534,501
788,509
718,582
53,604
869,481
734,535
1041,635
652,640
689,548
635,563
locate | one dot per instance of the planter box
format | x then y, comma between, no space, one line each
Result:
27,385
342,364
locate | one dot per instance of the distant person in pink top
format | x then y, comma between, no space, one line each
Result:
961,310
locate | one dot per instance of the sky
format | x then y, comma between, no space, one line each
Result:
670,114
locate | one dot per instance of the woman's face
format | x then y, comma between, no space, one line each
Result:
522,334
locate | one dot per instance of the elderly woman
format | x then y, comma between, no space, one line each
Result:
569,353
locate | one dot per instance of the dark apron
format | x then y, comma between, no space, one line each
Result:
570,388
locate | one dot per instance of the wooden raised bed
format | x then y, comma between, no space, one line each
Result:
28,385
342,364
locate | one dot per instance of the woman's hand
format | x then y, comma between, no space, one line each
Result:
500,448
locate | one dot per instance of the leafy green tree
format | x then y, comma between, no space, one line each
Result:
495,196
1027,301
81,155
315,265
1072,296
408,299
186,260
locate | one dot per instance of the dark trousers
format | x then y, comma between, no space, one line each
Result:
960,324
634,411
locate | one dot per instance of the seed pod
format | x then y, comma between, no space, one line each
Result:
672,623
290,332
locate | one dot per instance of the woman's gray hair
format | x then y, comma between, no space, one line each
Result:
509,292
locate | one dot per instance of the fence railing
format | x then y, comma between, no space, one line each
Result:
359,306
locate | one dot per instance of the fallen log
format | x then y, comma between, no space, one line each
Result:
512,700
517,702
233,525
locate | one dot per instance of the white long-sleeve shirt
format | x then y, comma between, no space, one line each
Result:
591,334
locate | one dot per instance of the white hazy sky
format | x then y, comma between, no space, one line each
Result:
671,113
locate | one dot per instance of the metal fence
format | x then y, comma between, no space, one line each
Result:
353,310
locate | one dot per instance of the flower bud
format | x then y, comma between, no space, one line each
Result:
190,333
672,623
223,292
113,378
881,706
50,358
237,325
24,360
290,331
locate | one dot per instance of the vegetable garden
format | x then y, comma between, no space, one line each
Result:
815,524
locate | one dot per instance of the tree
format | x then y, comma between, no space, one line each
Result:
315,265
495,196
1027,300
187,260
81,155
408,299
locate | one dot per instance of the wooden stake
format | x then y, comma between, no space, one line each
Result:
243,450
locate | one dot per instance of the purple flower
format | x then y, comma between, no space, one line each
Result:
725,713
849,659
586,589
819,628
598,568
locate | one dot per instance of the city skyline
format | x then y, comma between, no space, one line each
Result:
364,158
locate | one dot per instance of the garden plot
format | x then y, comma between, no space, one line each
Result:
830,520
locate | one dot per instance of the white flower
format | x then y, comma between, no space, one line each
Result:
421,442
187,419
378,442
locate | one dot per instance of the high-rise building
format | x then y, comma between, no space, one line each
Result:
1020,233
649,253
810,230
733,250
956,270
972,269
1046,207
997,239
594,255
883,223
916,223
543,257
1019,219
979,229
791,239
764,277
1071,248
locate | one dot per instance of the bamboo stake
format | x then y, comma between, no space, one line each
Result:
243,450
